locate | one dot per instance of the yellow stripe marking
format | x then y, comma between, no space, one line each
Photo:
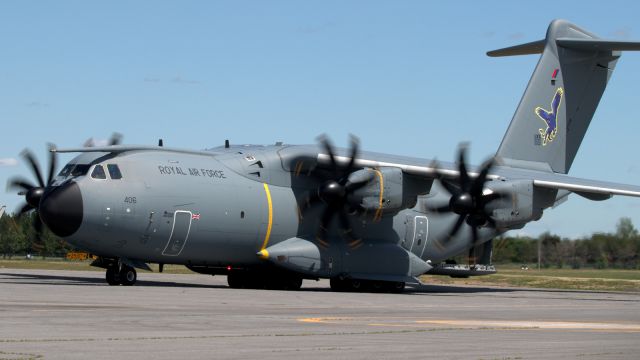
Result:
378,215
263,254
268,234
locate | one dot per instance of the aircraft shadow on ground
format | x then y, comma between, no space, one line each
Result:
49,279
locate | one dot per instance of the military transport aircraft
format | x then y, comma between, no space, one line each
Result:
271,216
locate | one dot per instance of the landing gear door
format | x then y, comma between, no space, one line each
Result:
179,233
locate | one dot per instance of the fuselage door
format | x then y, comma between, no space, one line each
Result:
416,234
179,233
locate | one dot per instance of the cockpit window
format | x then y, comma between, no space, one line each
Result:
98,173
80,170
74,170
114,171
66,170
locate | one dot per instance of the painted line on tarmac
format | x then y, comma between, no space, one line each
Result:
477,324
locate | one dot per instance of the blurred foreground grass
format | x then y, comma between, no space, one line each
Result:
551,278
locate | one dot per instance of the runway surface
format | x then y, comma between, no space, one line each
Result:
75,315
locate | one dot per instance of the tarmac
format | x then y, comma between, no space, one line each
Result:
47,314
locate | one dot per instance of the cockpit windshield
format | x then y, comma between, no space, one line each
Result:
80,169
66,170
74,170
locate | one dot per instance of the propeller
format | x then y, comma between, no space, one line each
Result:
469,199
335,192
33,191
115,139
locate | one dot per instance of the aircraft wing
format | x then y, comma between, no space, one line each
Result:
591,189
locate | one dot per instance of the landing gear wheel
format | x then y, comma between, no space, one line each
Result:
128,275
291,283
237,280
395,287
339,285
112,276
358,285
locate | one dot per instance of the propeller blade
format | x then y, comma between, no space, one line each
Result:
478,184
435,165
440,209
345,224
474,236
350,187
462,167
325,221
19,183
52,163
494,196
33,164
472,256
116,139
355,143
454,230
486,199
451,189
311,200
329,149
37,225
25,208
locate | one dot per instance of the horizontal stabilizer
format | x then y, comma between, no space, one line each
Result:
535,47
597,44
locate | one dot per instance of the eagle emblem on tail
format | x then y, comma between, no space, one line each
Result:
550,118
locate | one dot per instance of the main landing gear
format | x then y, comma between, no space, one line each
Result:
340,284
122,275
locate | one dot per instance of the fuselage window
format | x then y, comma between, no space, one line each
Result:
98,173
114,171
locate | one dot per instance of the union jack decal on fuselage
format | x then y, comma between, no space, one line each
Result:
550,118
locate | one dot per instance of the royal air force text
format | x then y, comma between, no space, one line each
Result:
177,170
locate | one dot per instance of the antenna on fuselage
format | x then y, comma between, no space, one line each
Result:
226,144
160,143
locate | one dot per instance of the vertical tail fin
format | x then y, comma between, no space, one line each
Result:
561,97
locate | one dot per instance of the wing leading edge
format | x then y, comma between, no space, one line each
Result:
592,189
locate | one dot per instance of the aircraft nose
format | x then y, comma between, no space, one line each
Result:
61,209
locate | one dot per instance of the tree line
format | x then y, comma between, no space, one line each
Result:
19,238
600,250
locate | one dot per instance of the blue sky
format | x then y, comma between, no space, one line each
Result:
407,77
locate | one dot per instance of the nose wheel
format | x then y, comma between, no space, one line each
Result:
125,275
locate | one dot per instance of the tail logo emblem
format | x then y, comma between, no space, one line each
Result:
550,118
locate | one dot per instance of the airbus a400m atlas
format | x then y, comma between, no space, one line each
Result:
271,216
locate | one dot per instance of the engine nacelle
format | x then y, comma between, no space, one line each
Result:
390,190
518,207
